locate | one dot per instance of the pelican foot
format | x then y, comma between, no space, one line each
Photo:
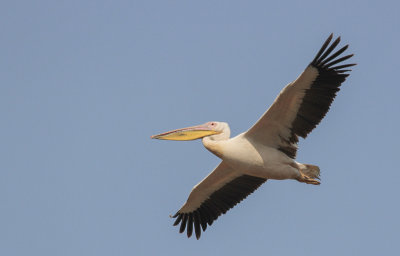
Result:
306,179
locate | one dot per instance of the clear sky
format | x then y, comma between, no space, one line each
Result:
83,85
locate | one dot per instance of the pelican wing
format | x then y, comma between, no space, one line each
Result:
302,104
220,191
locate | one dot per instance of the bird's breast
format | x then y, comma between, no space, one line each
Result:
255,159
241,153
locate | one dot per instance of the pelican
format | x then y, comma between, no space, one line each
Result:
268,149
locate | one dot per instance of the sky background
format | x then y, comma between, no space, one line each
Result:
83,85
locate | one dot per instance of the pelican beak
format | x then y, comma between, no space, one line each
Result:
188,133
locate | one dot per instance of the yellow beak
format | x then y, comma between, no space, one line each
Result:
189,133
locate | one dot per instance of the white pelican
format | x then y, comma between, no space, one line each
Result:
268,149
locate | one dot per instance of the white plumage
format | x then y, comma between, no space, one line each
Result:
268,149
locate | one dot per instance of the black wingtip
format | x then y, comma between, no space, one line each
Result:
337,53
344,66
196,222
218,203
327,58
190,225
183,224
329,50
178,220
326,43
330,64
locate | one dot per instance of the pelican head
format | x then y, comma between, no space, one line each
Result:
215,130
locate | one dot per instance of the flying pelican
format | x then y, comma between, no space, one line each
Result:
268,149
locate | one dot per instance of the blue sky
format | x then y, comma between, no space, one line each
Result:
83,85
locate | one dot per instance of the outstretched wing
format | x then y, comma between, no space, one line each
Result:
220,191
302,104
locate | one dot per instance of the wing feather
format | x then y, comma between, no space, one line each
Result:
220,191
302,104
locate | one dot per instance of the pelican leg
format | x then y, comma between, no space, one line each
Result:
306,179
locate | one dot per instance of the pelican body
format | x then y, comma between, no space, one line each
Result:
268,149
244,153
